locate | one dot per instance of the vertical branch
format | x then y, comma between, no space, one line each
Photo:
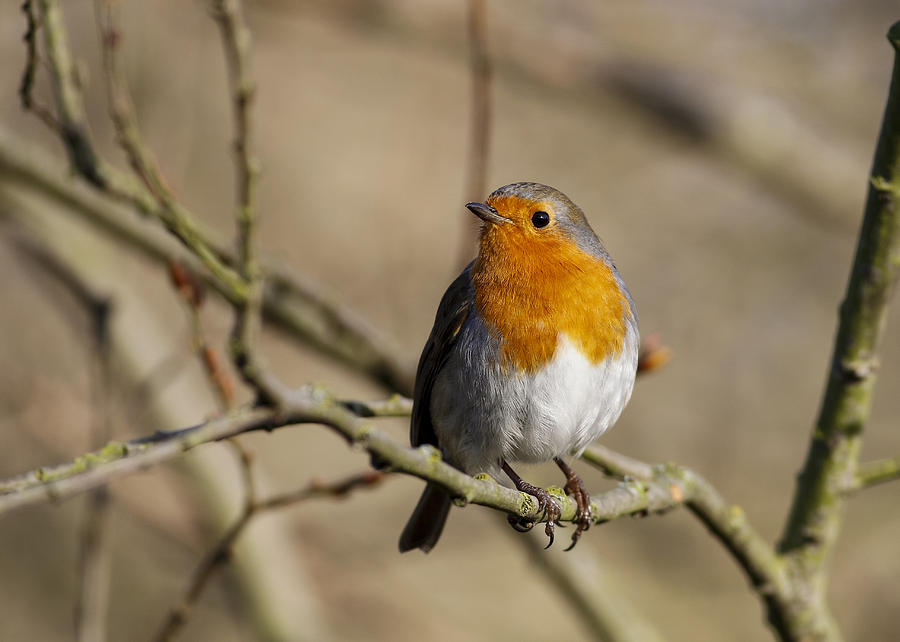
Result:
26,85
93,560
69,103
94,554
814,522
590,595
192,293
480,64
236,42
480,128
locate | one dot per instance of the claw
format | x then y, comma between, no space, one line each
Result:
575,487
550,510
519,525
549,531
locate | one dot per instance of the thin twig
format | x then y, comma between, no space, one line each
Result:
93,549
191,292
101,175
94,558
480,114
236,42
876,472
220,552
26,85
604,612
480,131
291,302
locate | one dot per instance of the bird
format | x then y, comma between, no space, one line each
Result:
532,355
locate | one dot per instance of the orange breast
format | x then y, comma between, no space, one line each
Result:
529,290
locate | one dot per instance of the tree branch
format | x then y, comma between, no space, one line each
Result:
831,463
727,522
312,405
236,42
221,551
291,302
154,202
592,596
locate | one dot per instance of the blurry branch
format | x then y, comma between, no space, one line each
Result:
592,596
94,557
236,42
291,302
831,464
220,552
753,133
152,197
765,139
124,120
281,603
480,116
480,133
191,292
93,550
26,85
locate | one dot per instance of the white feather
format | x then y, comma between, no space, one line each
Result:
483,414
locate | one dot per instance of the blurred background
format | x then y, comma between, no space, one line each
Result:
720,150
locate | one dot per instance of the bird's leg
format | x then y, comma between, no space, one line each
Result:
575,487
546,504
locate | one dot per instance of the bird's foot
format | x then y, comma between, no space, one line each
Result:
548,507
550,510
583,512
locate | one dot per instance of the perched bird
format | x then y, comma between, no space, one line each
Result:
532,355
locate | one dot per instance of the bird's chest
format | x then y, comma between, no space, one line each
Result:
485,411
528,305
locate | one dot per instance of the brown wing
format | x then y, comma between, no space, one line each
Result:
451,315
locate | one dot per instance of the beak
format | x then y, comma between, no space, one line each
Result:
486,213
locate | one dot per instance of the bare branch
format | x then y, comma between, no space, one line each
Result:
726,522
312,405
591,595
220,552
480,114
616,464
26,85
94,558
74,132
191,292
236,42
291,302
480,132
93,551
814,522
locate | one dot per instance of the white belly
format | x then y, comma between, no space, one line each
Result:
482,414
570,403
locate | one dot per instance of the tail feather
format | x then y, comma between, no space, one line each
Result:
427,521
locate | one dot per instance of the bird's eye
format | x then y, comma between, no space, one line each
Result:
540,219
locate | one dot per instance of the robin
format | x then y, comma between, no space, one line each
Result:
532,356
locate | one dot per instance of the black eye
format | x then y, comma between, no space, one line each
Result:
540,219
